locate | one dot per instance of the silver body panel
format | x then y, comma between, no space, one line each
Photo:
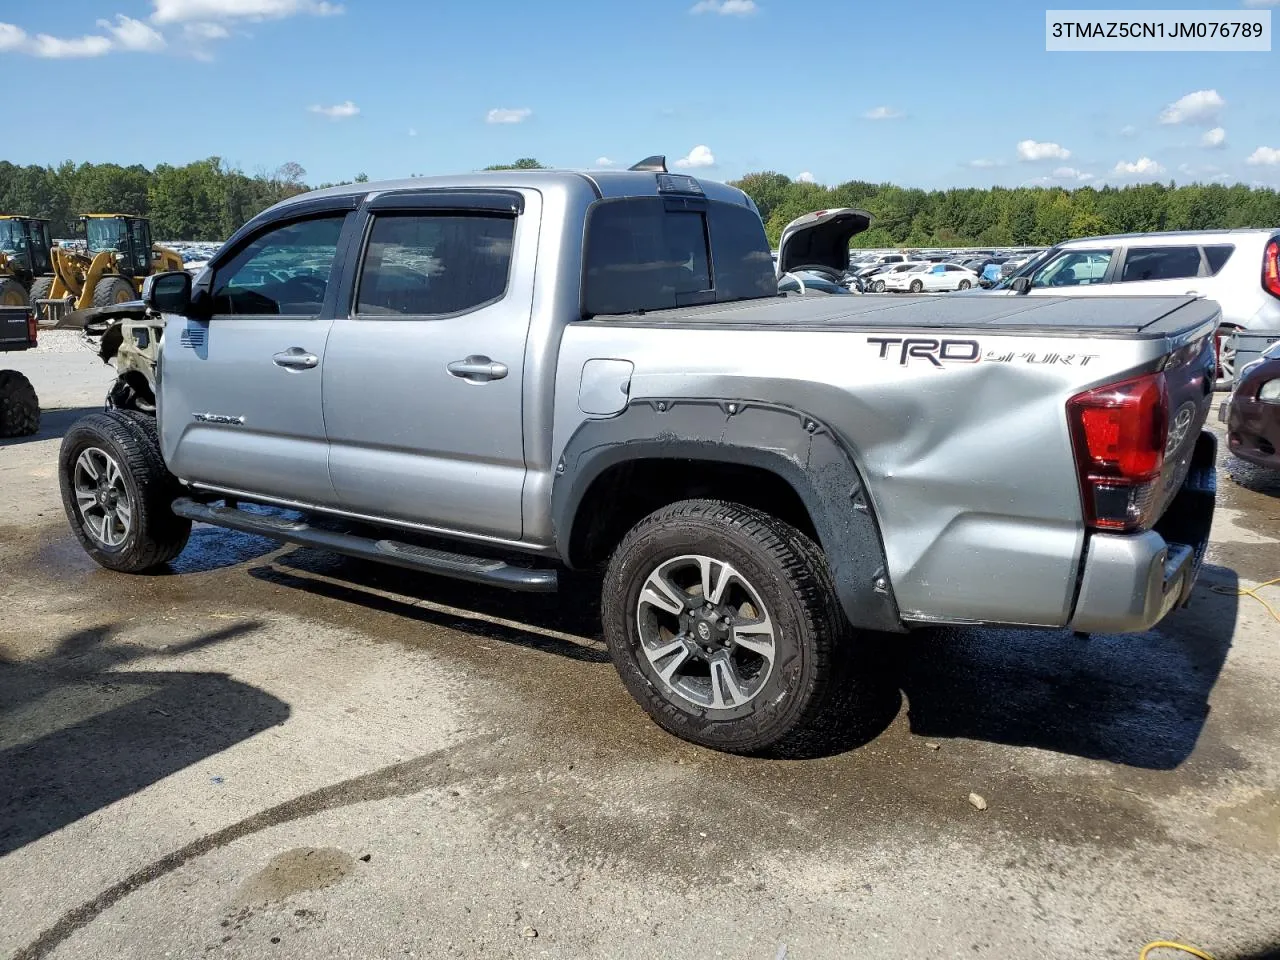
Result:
966,457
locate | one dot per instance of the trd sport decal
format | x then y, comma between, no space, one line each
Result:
939,352
927,348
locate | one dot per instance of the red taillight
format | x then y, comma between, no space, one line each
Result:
1119,431
33,328
1271,268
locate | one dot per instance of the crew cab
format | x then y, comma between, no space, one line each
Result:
505,375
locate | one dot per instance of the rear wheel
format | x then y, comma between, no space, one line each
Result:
724,625
965,284
916,286
1225,347
113,290
41,287
12,293
19,405
117,492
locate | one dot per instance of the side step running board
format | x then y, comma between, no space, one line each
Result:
459,566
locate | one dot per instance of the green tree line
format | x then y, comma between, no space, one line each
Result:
209,199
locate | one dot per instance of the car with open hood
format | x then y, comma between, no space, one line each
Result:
813,252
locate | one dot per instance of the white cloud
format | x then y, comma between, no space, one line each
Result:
882,113
699,156
1070,173
1201,107
1142,167
130,34
1036,150
339,111
205,31
508,115
11,37
983,164
1216,137
805,177
56,48
1128,130
726,8
1264,157
180,11
605,162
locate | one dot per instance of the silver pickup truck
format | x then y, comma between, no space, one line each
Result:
498,377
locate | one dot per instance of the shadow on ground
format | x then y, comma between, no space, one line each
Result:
1135,699
77,733
53,424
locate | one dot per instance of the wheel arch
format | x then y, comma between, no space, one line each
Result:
768,456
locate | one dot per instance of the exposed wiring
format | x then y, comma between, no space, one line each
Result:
1170,945
1251,592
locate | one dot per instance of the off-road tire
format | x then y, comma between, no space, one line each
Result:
916,286
41,287
12,293
789,572
19,405
112,290
156,533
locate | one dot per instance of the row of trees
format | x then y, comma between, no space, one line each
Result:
208,199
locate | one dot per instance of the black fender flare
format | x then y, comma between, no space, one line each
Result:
801,450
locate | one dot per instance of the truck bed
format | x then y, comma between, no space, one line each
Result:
1137,317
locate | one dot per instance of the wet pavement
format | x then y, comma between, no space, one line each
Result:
270,751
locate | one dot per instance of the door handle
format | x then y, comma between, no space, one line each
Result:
478,369
295,358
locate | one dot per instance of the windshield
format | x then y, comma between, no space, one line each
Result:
106,234
11,237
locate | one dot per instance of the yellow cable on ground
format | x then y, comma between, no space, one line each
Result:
1170,945
1246,592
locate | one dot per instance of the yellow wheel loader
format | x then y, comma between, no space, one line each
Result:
26,265
118,256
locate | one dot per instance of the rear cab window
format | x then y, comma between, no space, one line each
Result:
655,253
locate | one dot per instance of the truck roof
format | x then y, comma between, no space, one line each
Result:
1139,317
601,183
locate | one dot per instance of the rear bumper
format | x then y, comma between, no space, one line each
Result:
1132,581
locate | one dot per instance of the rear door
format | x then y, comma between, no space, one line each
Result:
240,393
1161,270
423,382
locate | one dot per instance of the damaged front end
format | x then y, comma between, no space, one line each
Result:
127,336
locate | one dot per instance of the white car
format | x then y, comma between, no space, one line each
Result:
931,278
876,281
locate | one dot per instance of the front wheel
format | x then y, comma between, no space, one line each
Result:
724,625
113,290
878,287
117,492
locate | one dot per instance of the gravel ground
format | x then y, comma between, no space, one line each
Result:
270,752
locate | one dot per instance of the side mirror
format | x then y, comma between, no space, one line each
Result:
168,292
1021,285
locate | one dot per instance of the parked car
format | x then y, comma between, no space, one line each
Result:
528,371
1239,269
931,278
813,252
1252,413
876,282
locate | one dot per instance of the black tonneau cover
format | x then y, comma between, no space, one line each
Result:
1130,317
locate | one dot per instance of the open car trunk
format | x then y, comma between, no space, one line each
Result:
821,239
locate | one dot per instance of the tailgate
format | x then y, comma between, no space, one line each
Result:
15,330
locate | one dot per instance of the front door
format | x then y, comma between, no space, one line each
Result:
423,383
240,393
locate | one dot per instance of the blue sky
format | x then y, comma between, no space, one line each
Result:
929,94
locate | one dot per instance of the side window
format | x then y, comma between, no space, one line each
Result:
283,272
434,264
1074,268
1160,263
641,256
141,242
1218,254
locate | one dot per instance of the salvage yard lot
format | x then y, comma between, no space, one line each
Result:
275,752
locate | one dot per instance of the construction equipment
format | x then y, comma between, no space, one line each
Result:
118,256
25,260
